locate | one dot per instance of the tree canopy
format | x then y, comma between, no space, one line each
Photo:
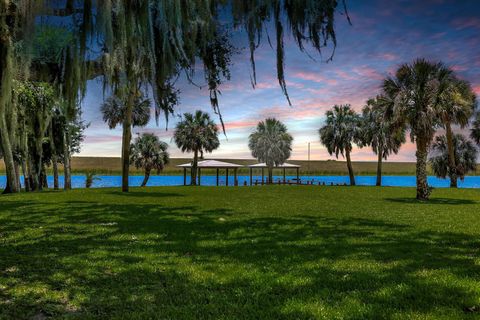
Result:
377,131
149,153
196,133
270,142
465,155
153,41
341,130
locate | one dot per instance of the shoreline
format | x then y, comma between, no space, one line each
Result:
112,166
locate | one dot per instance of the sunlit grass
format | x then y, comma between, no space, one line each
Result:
257,252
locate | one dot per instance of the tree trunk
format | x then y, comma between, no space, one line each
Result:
5,93
12,186
350,168
43,176
423,191
270,175
25,176
193,173
66,163
29,172
126,139
54,158
145,179
379,167
452,166
38,161
55,172
17,175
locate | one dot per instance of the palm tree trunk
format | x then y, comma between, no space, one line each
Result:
126,139
350,168
452,166
67,185
193,174
379,167
423,191
55,172
270,175
145,179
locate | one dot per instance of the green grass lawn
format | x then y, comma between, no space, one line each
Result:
276,252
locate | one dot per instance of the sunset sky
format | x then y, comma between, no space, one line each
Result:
384,34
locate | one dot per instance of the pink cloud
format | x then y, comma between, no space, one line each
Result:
476,89
388,56
240,124
345,75
458,68
366,71
266,85
472,22
315,77
102,139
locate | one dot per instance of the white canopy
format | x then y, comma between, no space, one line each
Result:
264,165
212,164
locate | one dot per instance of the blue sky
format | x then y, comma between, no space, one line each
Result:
384,34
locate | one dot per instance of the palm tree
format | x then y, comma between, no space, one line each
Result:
465,155
342,128
149,153
116,111
415,90
271,143
196,133
113,111
379,133
457,106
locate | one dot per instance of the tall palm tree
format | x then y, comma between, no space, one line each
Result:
115,111
196,133
149,153
416,89
341,130
457,106
379,133
465,155
271,143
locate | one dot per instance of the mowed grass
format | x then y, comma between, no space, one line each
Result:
277,252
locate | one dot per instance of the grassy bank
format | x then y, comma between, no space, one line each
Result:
272,252
105,165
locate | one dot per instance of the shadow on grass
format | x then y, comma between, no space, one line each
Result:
433,201
85,260
140,193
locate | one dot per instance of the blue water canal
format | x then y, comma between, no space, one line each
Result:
78,181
